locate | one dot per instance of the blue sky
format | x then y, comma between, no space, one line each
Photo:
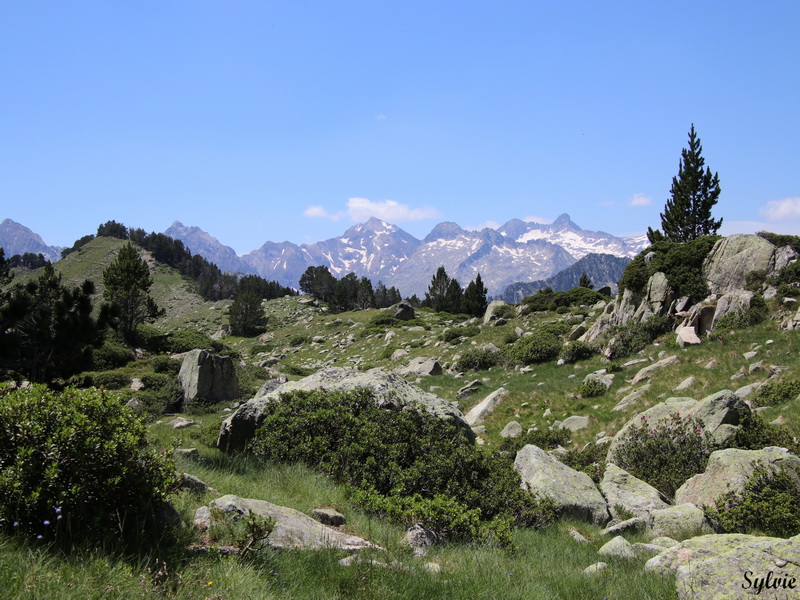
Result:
293,120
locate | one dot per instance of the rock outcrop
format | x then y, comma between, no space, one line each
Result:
621,489
208,376
390,391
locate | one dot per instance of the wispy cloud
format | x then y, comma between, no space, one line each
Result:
787,209
484,225
361,209
640,200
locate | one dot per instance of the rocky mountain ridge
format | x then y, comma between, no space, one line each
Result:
18,239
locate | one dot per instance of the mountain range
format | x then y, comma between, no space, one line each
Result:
518,251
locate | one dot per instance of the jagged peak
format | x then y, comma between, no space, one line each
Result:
446,230
564,222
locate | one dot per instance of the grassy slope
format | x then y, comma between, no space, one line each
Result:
546,564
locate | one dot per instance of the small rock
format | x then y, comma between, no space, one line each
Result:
749,355
595,569
181,422
685,384
512,430
191,453
432,567
577,536
619,547
329,516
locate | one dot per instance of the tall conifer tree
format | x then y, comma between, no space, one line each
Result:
694,192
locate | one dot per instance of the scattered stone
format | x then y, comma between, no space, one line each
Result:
664,541
432,567
512,430
595,569
181,422
622,489
575,423
399,353
485,407
781,420
421,366
469,389
632,398
136,405
404,311
578,536
194,484
190,453
647,550
646,372
329,516
679,521
687,336
420,539
711,364
599,378
685,384
634,524
749,355
619,547
136,384
491,311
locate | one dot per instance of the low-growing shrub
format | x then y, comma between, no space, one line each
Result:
665,454
161,393
477,358
184,340
633,337
296,370
110,380
395,454
754,434
148,337
562,310
591,459
756,313
575,351
776,393
75,465
768,505
299,339
592,389
167,365
539,347
111,355
456,333
545,439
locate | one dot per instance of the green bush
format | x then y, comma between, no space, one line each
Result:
299,339
666,454
111,355
477,358
161,393
755,434
395,454
167,365
562,310
575,351
768,505
632,337
776,393
184,340
539,347
110,380
75,465
579,296
756,313
592,389
456,333
545,439
591,459
681,263
148,337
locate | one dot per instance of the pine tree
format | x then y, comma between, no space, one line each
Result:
246,314
474,301
687,214
585,281
127,281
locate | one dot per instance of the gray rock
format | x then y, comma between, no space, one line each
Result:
512,430
575,423
733,257
421,366
729,470
687,336
293,529
634,524
595,569
601,378
190,453
664,541
136,405
685,384
631,398
194,484
577,536
181,422
420,539
208,376
469,389
477,414
639,498
701,548
329,516
618,547
404,311
491,310
390,391
679,521
647,550
573,492
646,372
399,353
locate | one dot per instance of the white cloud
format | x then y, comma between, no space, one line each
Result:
781,210
731,227
361,209
640,200
539,220
380,117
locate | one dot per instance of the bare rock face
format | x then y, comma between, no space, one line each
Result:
390,391
421,366
208,376
733,257
634,495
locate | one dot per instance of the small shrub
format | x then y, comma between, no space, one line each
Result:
161,393
755,434
756,313
633,337
769,505
539,347
299,339
477,359
545,439
296,370
148,337
591,459
111,380
562,310
76,465
776,393
456,333
666,454
184,340
111,355
592,389
167,365
575,351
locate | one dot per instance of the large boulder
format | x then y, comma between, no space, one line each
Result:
477,414
681,520
729,470
492,310
208,376
292,529
421,366
404,311
573,492
733,257
390,391
621,489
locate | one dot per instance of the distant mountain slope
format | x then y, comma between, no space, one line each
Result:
18,239
210,248
602,270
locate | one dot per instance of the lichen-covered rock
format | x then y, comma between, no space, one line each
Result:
619,547
699,548
390,391
575,423
492,309
512,430
421,366
573,492
292,529
679,520
647,371
639,498
729,470
732,258
404,311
